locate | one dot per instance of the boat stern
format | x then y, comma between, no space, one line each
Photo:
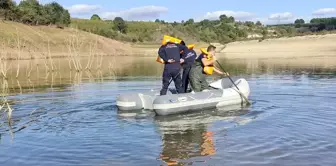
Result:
127,102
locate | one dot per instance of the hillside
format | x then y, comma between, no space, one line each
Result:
33,41
224,30
152,32
32,30
137,32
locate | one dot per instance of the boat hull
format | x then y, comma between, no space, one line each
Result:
182,103
225,94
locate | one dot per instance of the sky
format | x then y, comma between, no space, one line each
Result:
266,11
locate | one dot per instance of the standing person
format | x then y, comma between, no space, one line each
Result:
170,53
188,59
203,65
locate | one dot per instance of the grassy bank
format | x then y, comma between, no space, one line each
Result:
33,42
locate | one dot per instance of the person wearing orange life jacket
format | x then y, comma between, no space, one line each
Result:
170,53
203,65
187,60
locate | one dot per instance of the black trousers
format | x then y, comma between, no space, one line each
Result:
166,76
185,78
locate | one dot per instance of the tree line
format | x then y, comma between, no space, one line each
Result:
225,29
33,13
314,25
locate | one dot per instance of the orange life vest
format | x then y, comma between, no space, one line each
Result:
167,39
207,69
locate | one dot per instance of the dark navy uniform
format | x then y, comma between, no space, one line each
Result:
171,70
189,58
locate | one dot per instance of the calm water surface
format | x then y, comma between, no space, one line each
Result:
291,122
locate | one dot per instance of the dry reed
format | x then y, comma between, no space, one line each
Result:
5,106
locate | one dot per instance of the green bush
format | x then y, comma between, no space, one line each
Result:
33,13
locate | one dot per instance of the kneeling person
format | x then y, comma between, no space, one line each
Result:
203,63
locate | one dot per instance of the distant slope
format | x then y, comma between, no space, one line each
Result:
34,42
137,31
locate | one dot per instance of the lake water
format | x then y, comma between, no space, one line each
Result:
68,118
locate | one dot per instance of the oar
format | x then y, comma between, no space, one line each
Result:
178,74
173,78
247,101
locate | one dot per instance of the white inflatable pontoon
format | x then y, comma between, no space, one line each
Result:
223,93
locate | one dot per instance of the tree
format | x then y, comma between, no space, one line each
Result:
120,24
205,23
264,33
189,22
4,7
249,23
65,18
95,17
328,21
258,23
223,18
5,4
299,21
231,19
157,21
54,13
7,8
31,11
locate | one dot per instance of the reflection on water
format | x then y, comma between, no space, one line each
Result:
36,74
69,118
187,136
186,145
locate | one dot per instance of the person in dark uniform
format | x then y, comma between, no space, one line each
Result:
188,59
170,53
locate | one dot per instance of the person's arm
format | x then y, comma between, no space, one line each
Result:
191,54
182,57
162,54
183,48
220,71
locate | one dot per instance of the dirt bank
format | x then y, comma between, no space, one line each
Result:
295,47
33,42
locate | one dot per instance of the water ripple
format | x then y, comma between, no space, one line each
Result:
291,122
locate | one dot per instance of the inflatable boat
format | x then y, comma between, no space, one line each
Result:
222,93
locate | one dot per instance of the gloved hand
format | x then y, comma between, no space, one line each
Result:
181,60
171,60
